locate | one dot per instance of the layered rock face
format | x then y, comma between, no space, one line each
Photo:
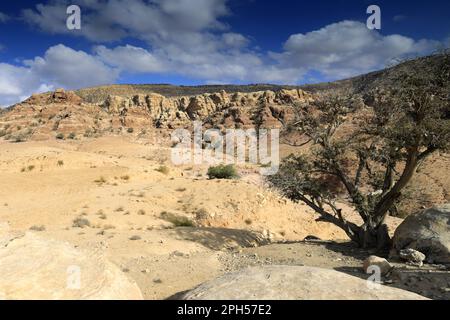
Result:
241,109
45,115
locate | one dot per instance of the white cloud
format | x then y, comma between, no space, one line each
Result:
188,38
15,83
131,59
348,48
4,17
65,67
59,67
115,19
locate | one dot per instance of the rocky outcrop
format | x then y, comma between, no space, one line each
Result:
294,283
238,109
427,231
36,268
63,113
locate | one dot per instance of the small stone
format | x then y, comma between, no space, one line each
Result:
178,254
413,257
383,264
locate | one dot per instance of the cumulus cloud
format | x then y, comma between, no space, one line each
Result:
59,67
189,38
348,48
131,59
115,19
3,17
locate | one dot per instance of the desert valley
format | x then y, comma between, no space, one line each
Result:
87,181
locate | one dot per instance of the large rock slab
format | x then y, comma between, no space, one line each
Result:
427,231
32,267
294,283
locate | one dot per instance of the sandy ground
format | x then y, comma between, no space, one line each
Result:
126,190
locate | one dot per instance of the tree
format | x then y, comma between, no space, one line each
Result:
368,147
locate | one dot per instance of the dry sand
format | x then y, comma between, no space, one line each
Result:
116,184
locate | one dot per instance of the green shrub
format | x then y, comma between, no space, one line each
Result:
71,136
222,172
60,136
130,130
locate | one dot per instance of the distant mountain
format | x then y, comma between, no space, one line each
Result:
358,84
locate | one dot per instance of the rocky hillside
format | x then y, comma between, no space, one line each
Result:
140,110
64,114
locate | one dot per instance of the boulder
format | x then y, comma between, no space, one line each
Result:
383,264
37,268
294,283
413,257
427,231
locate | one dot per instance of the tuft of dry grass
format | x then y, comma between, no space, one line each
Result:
100,180
176,220
163,169
81,223
37,228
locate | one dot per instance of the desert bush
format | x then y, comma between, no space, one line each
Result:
60,136
223,172
163,169
201,214
176,220
81,223
87,133
37,228
100,180
71,136
130,130
19,138
60,163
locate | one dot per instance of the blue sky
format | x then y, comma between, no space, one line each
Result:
207,41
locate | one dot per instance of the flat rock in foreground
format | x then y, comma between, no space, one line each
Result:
36,268
293,283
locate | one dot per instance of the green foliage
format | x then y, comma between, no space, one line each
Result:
222,172
392,127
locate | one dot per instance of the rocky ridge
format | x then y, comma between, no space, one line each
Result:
64,113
